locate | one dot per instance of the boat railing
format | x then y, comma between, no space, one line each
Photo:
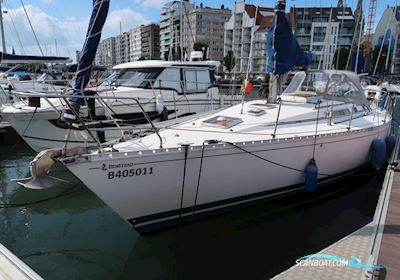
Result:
84,124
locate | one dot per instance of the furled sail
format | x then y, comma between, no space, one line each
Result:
27,59
96,23
284,52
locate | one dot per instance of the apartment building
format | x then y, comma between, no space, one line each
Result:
106,52
245,35
150,41
388,32
171,24
205,24
142,42
322,30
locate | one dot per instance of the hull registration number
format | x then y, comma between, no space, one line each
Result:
130,173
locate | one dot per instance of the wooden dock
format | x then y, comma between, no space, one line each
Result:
389,253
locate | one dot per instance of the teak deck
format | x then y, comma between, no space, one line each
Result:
389,254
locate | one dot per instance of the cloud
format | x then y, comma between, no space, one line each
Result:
152,3
128,19
47,1
69,33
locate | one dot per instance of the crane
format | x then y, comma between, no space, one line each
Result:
367,44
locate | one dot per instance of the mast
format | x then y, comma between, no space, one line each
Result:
283,50
96,23
358,47
3,41
250,61
275,85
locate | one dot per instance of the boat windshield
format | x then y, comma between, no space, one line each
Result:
310,84
333,85
341,86
49,77
138,77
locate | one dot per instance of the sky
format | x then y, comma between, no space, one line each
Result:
61,25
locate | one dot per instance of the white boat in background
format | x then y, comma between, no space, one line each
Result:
46,82
155,90
166,90
16,80
231,158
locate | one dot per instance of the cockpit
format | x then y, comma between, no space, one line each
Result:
340,86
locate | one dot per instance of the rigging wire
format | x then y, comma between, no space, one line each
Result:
66,35
15,29
33,30
340,37
30,121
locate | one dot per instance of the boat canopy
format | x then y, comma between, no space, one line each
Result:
342,86
27,59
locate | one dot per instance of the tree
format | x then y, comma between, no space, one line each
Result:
229,61
166,56
344,54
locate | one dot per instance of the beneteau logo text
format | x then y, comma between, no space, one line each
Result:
333,261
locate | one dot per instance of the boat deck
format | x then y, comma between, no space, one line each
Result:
11,267
297,119
378,243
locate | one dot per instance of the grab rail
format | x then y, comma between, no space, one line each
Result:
63,96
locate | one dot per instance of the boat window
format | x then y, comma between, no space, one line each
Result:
190,80
315,82
197,80
170,78
110,79
138,77
295,83
44,77
341,113
341,86
203,79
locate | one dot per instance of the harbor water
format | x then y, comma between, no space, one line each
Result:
68,233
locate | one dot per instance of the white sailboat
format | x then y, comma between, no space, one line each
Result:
321,127
230,158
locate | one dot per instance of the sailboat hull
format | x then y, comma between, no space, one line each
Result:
157,187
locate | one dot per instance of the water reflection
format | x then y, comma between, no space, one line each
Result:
257,242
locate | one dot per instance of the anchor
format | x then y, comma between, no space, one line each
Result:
40,167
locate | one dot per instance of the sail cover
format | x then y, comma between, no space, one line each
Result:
96,23
25,59
284,52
